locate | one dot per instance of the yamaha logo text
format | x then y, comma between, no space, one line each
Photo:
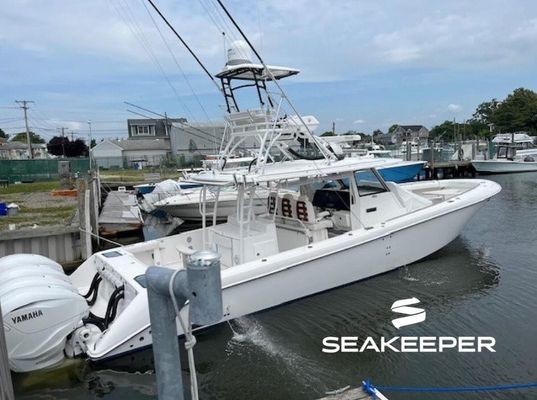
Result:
27,316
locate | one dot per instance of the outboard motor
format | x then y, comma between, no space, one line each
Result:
40,309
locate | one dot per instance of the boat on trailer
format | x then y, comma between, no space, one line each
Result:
327,222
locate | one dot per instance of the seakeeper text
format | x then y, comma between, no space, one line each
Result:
409,344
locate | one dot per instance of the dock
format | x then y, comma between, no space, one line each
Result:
120,214
449,169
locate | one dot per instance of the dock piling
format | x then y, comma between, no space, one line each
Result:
6,386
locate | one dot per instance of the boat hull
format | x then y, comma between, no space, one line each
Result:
402,173
503,166
331,265
191,211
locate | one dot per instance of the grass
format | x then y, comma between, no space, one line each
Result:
41,216
30,187
36,206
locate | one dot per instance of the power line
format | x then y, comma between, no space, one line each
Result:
145,109
175,59
138,33
185,44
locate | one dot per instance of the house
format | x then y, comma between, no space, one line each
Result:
108,154
152,141
413,133
151,128
19,150
129,153
196,139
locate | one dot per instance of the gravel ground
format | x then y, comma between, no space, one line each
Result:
38,208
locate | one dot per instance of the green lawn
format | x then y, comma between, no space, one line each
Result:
30,187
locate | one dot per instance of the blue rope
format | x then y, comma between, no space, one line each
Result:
370,389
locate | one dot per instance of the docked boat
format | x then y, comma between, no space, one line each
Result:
187,204
514,153
144,188
342,223
163,190
402,171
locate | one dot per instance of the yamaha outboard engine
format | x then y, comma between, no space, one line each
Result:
40,309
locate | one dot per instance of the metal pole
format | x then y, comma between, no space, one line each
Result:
25,108
89,145
164,331
6,386
200,283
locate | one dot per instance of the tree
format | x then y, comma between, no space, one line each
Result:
34,138
446,130
3,135
377,132
393,128
518,112
328,133
485,110
62,146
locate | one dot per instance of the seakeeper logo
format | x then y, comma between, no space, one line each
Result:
415,314
408,344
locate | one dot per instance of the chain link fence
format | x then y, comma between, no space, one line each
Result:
39,170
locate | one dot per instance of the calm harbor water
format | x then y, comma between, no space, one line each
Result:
482,284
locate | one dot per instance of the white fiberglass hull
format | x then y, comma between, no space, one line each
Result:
503,166
314,268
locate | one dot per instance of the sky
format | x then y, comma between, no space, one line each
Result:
364,64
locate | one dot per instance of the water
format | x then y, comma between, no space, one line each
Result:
483,283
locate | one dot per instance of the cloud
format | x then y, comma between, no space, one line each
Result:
79,60
454,108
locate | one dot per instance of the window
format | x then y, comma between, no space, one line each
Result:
143,130
506,152
368,183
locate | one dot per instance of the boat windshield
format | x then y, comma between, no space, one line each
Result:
506,152
368,183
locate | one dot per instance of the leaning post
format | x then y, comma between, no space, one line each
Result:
199,283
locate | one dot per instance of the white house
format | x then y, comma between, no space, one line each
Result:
19,150
130,153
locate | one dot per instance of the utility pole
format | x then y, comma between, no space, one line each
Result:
63,144
25,108
166,125
333,127
89,145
